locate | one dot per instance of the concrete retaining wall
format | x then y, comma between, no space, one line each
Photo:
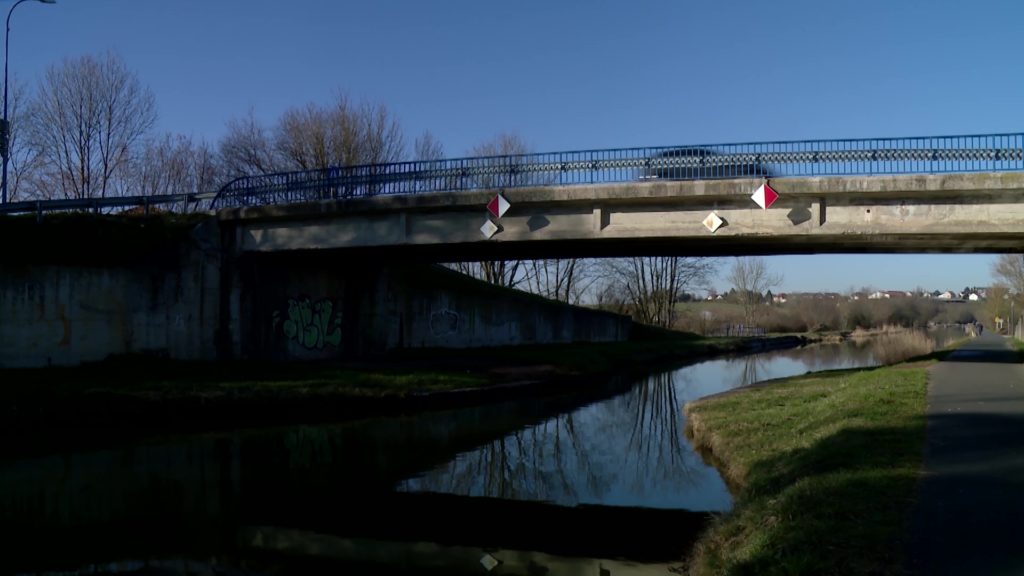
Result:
292,306
66,315
305,307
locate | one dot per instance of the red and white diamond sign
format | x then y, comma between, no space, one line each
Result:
498,206
765,196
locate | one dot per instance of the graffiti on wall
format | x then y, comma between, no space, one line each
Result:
312,325
444,322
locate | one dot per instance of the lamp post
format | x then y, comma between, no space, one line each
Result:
5,127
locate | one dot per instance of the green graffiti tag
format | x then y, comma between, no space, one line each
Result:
311,324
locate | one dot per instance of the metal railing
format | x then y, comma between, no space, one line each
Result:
873,156
181,203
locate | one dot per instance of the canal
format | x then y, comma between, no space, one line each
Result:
596,476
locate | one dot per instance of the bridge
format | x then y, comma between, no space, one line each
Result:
942,194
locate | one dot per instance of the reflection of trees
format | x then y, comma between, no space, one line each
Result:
631,446
656,447
542,462
753,367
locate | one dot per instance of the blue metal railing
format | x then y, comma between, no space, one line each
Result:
873,156
984,153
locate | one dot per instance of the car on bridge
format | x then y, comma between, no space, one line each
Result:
701,163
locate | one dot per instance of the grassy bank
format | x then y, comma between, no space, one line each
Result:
823,468
148,393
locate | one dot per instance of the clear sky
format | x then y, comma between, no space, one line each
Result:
578,74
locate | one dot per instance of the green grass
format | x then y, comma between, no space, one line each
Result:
1018,346
823,468
398,374
651,345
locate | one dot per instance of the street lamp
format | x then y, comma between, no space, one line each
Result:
5,127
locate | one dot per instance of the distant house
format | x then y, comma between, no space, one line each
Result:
779,298
878,295
973,297
947,295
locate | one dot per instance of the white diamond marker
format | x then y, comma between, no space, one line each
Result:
489,562
489,229
713,222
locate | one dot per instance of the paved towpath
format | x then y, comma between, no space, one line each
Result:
969,518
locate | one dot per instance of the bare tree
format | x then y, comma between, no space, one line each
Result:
246,149
88,117
303,139
565,280
1009,270
507,273
654,284
175,164
427,147
23,160
428,151
381,136
751,278
316,137
997,303
546,277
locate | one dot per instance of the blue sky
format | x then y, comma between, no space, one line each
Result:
578,74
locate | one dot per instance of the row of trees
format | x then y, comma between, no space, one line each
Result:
87,131
648,288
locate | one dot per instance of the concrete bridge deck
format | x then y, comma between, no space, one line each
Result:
972,212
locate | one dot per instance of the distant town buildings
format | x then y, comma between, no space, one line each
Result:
971,294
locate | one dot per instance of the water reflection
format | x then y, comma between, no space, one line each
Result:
625,451
628,450
613,448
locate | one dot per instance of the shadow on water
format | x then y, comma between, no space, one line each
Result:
193,494
600,475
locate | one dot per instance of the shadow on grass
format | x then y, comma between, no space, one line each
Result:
856,503
838,507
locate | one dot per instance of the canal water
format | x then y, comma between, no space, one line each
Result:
593,475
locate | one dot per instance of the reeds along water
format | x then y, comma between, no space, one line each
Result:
894,347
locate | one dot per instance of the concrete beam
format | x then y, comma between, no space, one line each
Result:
981,212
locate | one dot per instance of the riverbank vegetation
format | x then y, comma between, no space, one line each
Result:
823,468
814,314
142,391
